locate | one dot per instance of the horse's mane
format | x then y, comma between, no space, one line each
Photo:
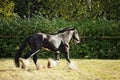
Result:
65,29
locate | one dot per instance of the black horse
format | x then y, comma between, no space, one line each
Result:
59,43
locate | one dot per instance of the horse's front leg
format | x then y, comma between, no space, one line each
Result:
67,57
52,63
71,64
65,50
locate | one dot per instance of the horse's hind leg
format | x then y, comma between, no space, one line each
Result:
25,62
35,57
25,59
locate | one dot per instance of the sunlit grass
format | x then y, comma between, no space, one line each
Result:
87,70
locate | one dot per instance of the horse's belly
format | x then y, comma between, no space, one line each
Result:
48,48
52,45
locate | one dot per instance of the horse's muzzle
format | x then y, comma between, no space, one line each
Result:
77,42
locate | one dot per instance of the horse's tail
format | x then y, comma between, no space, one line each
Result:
19,52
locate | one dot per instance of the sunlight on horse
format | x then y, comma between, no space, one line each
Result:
59,43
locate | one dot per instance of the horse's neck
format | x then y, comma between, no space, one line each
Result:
67,36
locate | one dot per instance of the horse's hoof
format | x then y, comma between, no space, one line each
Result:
72,66
23,67
52,63
25,63
49,63
41,67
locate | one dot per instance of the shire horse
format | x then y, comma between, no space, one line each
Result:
58,42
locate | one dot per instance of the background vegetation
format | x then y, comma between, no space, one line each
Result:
97,22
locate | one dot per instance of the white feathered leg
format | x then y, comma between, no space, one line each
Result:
25,62
52,63
72,65
40,66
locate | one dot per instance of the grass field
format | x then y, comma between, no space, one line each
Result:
87,70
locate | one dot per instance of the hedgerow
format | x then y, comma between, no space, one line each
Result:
99,38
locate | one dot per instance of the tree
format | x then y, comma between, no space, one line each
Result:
6,8
69,9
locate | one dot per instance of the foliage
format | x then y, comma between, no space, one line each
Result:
13,33
7,8
18,19
69,9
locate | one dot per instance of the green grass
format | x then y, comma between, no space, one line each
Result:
87,70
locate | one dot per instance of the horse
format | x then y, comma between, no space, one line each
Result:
58,42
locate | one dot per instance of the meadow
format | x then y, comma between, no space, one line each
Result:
88,69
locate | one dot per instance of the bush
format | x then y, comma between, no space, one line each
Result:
94,44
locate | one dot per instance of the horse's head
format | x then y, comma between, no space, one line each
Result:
72,31
76,36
